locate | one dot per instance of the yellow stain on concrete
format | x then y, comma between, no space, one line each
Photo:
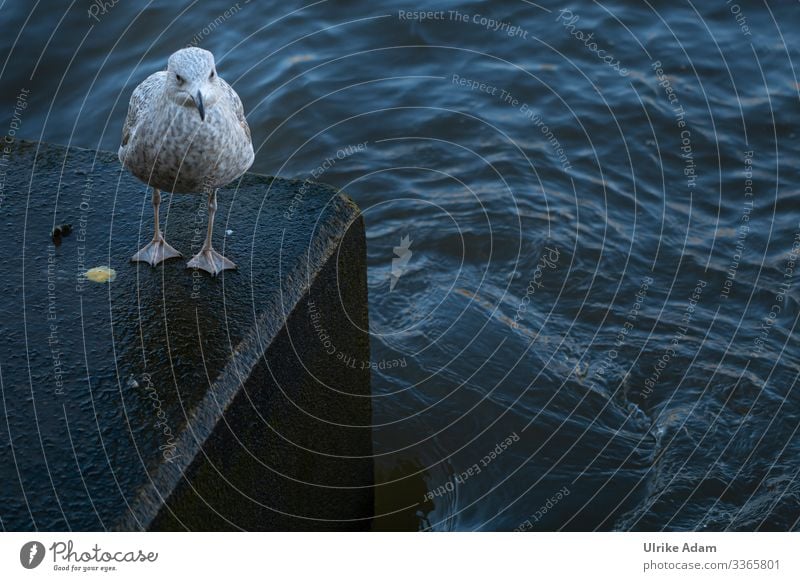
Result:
101,274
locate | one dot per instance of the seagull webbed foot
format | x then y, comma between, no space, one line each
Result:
211,261
157,250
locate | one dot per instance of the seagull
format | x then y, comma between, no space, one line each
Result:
185,132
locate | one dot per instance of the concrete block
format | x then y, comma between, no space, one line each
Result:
166,399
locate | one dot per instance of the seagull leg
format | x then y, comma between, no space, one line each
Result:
157,249
209,259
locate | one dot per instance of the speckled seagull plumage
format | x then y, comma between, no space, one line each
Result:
186,132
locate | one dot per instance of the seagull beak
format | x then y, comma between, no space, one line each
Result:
198,100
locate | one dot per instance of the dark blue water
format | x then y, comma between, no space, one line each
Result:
583,232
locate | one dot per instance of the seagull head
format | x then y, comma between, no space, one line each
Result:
192,79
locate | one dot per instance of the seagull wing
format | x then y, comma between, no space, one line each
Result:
142,98
236,105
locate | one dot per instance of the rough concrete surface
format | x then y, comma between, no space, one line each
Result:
167,399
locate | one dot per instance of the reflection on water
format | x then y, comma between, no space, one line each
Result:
402,497
476,153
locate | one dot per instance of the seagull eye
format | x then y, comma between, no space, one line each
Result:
179,79
212,75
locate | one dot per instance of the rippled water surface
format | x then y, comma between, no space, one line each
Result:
582,277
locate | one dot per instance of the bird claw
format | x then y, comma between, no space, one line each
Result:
211,261
156,251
